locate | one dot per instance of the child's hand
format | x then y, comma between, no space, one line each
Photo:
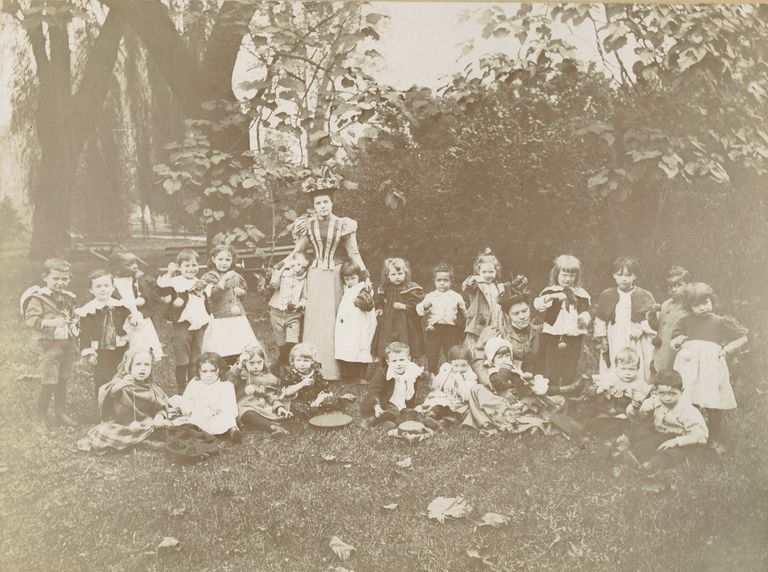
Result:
670,444
135,319
159,422
283,412
603,343
250,389
399,306
426,305
140,302
173,268
556,296
678,342
635,332
583,320
379,313
377,410
239,292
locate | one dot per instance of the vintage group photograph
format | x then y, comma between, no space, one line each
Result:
383,286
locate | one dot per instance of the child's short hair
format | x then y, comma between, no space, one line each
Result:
565,263
351,269
120,260
459,352
627,357
668,377
57,264
129,357
396,348
250,352
187,255
395,264
96,274
443,267
303,350
678,274
222,248
697,293
626,264
486,257
211,358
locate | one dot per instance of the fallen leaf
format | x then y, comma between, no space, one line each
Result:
493,519
652,487
347,466
328,457
392,506
178,511
475,555
168,544
405,463
3,469
445,507
341,548
348,397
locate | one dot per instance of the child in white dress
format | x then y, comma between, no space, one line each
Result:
355,325
209,401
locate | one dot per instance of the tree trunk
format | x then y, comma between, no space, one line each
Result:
63,124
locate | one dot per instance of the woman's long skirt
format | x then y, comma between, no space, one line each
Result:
324,292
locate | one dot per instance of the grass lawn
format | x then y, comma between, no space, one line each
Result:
272,504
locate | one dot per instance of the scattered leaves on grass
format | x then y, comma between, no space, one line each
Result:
341,548
178,511
328,458
392,506
168,544
405,463
347,466
349,397
475,555
446,507
493,519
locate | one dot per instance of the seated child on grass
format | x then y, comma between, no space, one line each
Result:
304,390
131,406
677,428
616,390
258,392
209,402
451,389
392,393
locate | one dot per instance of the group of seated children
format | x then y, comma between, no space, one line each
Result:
668,362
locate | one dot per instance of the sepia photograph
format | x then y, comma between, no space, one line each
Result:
381,286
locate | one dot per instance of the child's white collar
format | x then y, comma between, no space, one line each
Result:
412,371
95,305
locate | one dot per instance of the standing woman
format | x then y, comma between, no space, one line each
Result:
334,241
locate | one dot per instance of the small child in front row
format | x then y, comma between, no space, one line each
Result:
188,313
705,340
445,311
355,325
451,389
677,425
671,312
103,336
50,312
209,401
482,290
392,393
304,390
139,294
229,331
616,390
565,305
258,392
395,303
286,307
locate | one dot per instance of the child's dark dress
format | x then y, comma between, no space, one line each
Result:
398,325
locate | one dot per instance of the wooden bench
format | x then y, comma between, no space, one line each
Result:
102,250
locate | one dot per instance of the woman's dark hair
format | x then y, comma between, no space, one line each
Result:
516,292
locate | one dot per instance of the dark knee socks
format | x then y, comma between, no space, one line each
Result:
46,394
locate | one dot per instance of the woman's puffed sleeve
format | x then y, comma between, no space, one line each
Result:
349,238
